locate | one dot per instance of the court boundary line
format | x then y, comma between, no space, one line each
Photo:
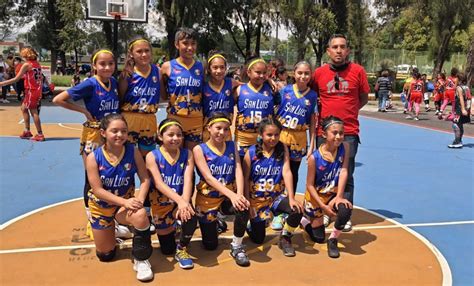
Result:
412,125
445,269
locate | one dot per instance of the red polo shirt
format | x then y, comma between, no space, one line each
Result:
343,102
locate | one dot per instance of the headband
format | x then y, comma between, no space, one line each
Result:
138,41
325,127
170,123
254,62
216,56
220,119
101,51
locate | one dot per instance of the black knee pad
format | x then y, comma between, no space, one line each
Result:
209,235
106,257
141,245
343,216
168,243
317,234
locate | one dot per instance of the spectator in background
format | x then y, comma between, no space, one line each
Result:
383,87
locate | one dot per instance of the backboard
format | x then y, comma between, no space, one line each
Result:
128,10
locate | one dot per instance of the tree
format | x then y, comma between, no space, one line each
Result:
445,22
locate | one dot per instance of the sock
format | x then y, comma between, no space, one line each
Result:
304,222
236,241
287,230
335,233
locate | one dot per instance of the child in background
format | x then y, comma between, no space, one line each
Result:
33,79
325,183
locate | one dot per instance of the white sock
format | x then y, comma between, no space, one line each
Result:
236,241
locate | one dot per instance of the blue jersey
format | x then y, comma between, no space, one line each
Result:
143,92
266,175
117,178
296,109
222,167
99,99
185,89
327,172
172,173
218,98
253,106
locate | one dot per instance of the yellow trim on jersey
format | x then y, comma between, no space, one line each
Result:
168,157
215,150
216,56
109,159
256,61
103,84
254,89
143,75
217,88
170,123
99,52
180,62
298,93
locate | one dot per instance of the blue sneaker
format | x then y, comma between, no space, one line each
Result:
183,258
278,222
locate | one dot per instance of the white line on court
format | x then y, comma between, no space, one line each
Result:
67,127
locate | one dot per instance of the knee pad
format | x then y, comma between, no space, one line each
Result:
141,245
168,243
317,234
209,235
106,257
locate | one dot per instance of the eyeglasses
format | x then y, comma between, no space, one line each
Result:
336,81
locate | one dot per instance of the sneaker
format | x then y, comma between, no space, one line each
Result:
143,269
285,245
239,255
122,231
347,227
26,135
183,258
326,220
38,137
277,222
455,145
333,251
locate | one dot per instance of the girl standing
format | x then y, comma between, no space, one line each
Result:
99,94
254,103
183,78
139,91
221,187
111,171
266,175
325,183
171,168
30,71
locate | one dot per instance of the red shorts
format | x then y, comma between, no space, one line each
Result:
32,98
416,97
449,94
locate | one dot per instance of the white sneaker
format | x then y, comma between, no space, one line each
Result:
143,269
122,231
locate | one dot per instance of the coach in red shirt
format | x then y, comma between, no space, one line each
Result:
343,90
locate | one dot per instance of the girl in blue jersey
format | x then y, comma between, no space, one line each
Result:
266,175
171,168
325,183
218,95
99,94
297,112
255,101
221,187
111,171
182,80
139,91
